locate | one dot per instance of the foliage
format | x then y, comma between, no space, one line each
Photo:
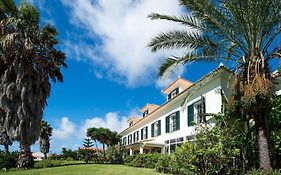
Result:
8,160
241,32
29,60
256,172
86,154
143,160
86,169
88,143
275,128
164,164
68,154
45,134
104,136
48,163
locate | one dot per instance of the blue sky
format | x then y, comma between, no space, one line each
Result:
111,73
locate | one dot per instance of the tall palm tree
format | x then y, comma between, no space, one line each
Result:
239,31
29,60
5,141
44,138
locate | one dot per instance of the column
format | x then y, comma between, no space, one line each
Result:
141,149
131,151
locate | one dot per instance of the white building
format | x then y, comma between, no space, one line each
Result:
163,128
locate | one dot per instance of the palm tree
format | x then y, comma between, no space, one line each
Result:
93,134
238,31
5,141
29,61
44,139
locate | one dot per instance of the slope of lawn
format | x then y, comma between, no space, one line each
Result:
85,169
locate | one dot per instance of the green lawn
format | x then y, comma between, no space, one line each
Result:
85,169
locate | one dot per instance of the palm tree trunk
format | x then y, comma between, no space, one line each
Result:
6,148
45,156
103,147
25,159
264,157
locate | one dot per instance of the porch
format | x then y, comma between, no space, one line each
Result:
145,146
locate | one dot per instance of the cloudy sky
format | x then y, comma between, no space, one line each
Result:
111,72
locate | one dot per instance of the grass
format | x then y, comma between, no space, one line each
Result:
85,169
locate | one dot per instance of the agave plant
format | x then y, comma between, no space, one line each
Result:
241,32
29,60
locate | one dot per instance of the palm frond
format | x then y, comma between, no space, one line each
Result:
188,20
172,63
181,39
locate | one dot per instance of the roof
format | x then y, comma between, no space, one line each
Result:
178,80
154,107
200,81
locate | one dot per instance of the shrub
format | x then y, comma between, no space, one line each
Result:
163,164
256,172
47,163
8,160
143,160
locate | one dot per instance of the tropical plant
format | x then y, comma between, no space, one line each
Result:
275,130
44,139
88,143
241,32
29,60
105,136
5,141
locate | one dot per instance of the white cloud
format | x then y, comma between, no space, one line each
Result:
124,31
71,135
66,129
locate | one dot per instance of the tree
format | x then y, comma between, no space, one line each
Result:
103,135
240,32
5,141
29,61
93,134
88,143
45,134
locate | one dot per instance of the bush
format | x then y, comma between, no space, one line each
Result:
256,172
143,160
48,163
163,164
8,160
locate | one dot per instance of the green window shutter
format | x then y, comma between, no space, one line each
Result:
167,124
203,104
152,130
146,132
159,127
177,120
169,96
190,115
177,90
142,134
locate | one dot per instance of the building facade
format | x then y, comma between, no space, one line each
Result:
163,128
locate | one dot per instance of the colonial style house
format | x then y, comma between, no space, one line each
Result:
163,128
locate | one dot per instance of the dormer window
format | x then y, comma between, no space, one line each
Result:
145,113
173,93
131,123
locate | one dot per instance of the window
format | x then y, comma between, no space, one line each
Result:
173,93
171,145
125,141
131,123
156,128
130,139
145,113
144,133
173,122
195,110
136,136
190,137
